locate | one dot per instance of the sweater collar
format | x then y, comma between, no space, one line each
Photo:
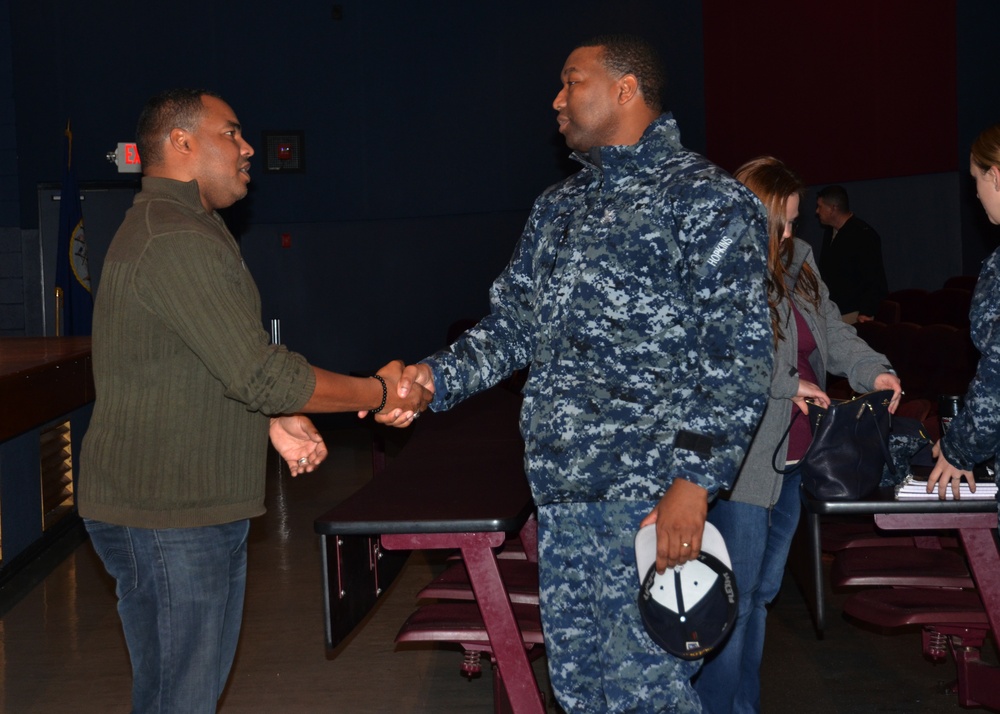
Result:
185,192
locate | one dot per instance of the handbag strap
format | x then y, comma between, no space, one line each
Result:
883,441
774,456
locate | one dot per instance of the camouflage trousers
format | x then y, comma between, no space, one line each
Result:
600,657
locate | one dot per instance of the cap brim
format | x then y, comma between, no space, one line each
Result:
712,543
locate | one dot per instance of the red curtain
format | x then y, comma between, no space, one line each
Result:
840,91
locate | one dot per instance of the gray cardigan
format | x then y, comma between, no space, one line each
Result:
839,351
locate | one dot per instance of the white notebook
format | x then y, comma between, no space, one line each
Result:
914,488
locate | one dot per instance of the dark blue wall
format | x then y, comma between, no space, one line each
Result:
12,318
409,109
9,215
429,130
428,133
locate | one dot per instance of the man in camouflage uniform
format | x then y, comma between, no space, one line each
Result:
636,295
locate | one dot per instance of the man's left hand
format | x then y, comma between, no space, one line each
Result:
298,442
680,521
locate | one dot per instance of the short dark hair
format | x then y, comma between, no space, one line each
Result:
836,197
168,110
629,54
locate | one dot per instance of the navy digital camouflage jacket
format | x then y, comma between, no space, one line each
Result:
636,296
974,435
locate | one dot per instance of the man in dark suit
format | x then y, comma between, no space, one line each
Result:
851,261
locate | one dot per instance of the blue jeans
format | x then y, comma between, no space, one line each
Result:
180,598
758,540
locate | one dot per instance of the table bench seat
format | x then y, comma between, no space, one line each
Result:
462,623
520,579
841,535
900,567
901,607
951,620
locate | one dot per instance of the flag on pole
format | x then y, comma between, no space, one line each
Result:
72,273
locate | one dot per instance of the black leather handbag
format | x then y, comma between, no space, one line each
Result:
849,448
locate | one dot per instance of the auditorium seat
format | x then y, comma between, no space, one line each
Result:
874,333
963,282
888,312
912,304
898,346
941,362
949,306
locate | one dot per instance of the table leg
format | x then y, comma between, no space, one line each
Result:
978,681
984,561
816,561
494,605
501,626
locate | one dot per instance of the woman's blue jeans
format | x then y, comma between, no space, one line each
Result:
758,540
180,599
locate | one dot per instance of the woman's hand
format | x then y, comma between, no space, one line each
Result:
890,381
812,392
944,474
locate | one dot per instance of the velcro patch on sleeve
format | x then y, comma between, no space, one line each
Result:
692,441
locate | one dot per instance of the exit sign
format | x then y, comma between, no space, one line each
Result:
126,158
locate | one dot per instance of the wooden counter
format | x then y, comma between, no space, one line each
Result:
42,378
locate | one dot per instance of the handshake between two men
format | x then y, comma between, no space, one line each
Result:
410,390
400,392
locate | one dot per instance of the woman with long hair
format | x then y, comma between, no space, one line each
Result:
759,516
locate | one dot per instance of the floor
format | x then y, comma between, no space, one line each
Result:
61,648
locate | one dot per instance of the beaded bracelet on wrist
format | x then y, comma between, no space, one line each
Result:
385,393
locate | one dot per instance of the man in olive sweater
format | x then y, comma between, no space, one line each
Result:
188,391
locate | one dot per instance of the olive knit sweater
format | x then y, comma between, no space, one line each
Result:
184,373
